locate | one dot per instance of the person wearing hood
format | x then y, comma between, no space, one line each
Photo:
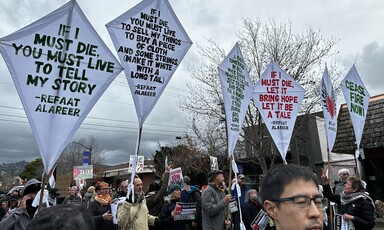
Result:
22,216
354,203
191,194
168,212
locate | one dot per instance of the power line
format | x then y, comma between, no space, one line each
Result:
95,118
159,132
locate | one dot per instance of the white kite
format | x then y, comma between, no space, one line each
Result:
278,97
60,67
150,42
328,102
357,99
237,89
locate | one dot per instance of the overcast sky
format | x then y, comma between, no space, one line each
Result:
358,25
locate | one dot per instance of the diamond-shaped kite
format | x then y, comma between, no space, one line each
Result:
60,67
150,42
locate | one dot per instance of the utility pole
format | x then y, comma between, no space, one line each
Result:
86,147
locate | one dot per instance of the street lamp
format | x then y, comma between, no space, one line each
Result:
84,153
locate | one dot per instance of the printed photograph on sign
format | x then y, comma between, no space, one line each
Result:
176,177
139,163
185,211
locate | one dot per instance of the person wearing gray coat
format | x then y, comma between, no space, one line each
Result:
22,216
214,203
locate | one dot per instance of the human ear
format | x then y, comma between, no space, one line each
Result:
270,208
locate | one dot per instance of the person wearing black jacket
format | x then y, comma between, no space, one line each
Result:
100,208
354,203
168,211
250,208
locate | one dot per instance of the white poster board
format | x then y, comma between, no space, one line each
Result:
139,163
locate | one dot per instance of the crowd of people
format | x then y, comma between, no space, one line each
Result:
284,198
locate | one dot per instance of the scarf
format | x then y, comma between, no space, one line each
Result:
103,200
350,198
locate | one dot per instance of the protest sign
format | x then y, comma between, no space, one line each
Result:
82,172
261,221
237,89
278,97
214,163
328,102
176,177
342,224
185,211
233,205
150,42
60,67
139,163
357,99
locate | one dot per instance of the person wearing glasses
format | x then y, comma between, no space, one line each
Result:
291,198
100,208
343,176
354,203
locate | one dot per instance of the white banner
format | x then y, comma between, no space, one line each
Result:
60,67
278,98
139,163
357,98
150,42
328,102
237,89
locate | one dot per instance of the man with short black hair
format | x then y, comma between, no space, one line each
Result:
214,202
290,196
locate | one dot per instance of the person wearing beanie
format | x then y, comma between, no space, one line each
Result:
23,215
168,212
191,194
